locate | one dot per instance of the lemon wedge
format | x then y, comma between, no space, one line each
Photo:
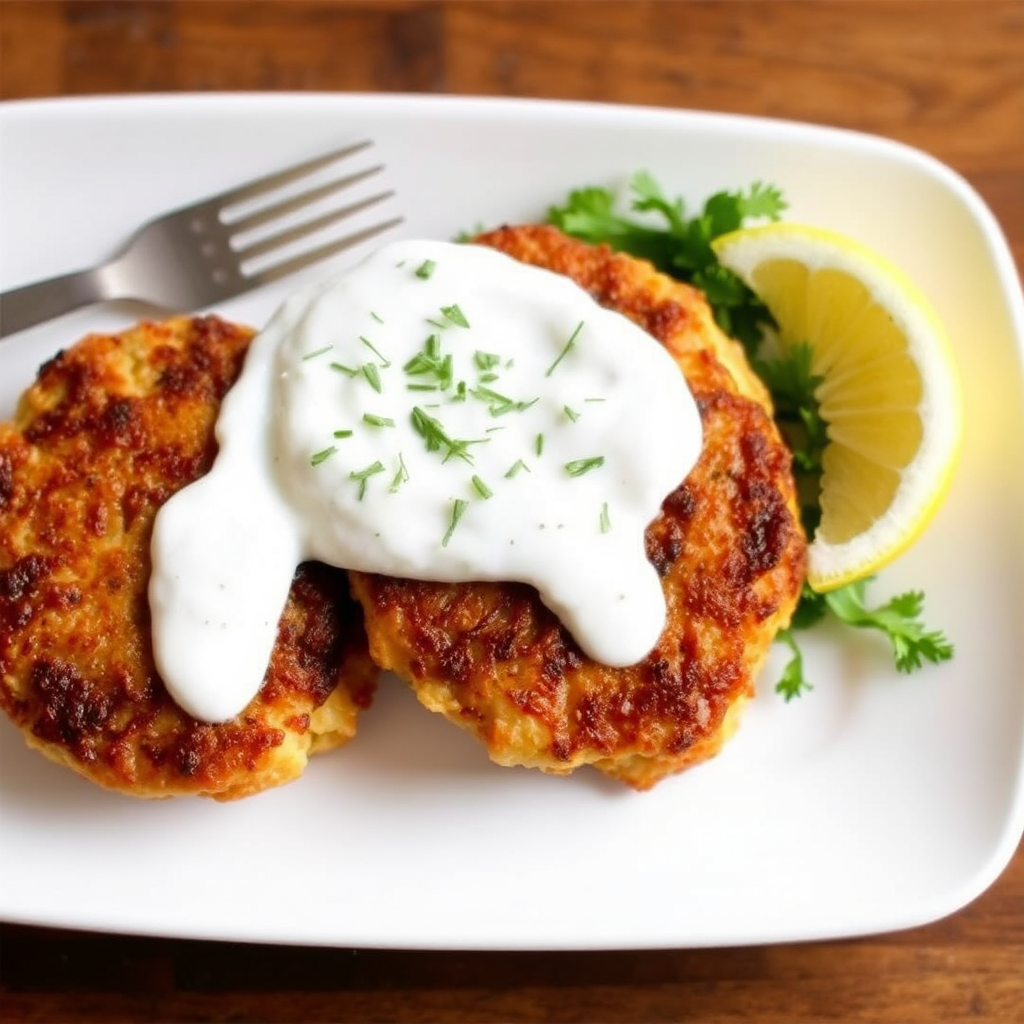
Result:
890,393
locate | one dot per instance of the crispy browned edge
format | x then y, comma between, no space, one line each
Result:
108,432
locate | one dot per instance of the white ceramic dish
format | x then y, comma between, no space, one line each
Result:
876,802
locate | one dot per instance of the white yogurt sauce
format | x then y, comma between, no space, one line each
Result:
440,412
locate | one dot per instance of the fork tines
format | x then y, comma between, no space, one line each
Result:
281,210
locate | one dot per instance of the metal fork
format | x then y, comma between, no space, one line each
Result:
187,259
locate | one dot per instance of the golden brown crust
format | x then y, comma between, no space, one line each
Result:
109,431
727,546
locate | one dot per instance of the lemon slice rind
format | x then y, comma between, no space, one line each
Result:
926,478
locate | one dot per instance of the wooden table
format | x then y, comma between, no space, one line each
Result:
945,76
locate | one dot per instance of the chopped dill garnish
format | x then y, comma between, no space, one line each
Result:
458,508
372,376
429,362
425,269
572,414
318,352
481,488
377,421
486,360
384,361
343,433
321,456
455,315
362,475
350,371
436,438
580,466
401,475
538,444
605,521
516,468
565,350
375,317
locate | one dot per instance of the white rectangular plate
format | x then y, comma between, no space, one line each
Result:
875,802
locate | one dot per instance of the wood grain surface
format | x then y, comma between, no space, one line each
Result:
944,75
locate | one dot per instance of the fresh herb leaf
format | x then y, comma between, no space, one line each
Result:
899,619
425,269
458,509
580,466
321,456
792,682
384,361
481,488
401,475
455,315
362,475
681,245
372,375
605,520
566,348
486,360
794,387
317,352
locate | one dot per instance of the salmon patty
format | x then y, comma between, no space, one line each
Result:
727,546
109,431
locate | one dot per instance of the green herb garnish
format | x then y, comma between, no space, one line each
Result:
349,371
425,269
516,468
455,315
377,421
372,376
436,437
486,360
321,456
605,520
362,475
343,433
401,475
480,487
565,349
318,352
580,466
681,246
538,445
571,414
384,361
458,509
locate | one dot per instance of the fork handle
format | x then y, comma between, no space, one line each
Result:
33,303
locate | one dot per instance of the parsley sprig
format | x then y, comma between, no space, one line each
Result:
658,229
899,619
680,245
